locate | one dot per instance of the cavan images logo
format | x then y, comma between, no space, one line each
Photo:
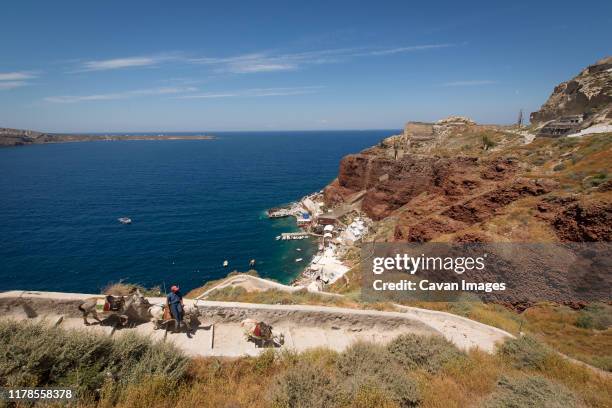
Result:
503,272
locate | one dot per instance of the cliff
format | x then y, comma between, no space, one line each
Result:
455,180
587,96
19,137
482,183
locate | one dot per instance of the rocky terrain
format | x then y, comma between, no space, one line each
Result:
21,137
457,181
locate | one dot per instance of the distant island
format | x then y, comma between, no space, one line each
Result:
21,137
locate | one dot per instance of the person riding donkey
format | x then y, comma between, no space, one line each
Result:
174,303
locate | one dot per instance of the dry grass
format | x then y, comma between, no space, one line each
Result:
473,308
365,375
125,289
278,297
557,326
476,142
194,293
300,297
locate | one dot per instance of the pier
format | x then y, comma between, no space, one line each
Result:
294,235
279,212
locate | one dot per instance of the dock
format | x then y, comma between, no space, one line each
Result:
294,235
279,212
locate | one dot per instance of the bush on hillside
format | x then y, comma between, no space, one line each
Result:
488,142
464,304
305,385
525,352
364,375
532,391
595,316
603,362
367,366
363,357
427,352
125,289
34,355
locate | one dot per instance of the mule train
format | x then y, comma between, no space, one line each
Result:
135,309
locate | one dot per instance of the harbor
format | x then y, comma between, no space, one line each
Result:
336,229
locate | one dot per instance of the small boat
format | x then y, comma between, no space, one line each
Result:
125,220
298,249
225,263
278,237
299,260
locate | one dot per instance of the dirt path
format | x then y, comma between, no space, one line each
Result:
463,332
304,326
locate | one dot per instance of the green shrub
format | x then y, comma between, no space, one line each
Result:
363,357
532,391
305,385
390,383
595,316
464,304
366,366
487,142
35,355
525,352
559,167
264,361
603,362
595,179
427,352
584,321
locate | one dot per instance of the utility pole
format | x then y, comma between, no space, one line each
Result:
519,122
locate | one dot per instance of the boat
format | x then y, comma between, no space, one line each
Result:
298,249
125,220
225,263
299,260
278,237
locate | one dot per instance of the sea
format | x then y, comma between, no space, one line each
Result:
193,204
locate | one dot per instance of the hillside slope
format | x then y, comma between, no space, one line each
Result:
479,184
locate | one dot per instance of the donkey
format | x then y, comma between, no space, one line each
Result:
135,308
88,307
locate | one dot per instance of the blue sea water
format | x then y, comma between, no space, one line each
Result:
193,204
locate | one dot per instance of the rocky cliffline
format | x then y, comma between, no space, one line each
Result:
478,183
588,94
21,137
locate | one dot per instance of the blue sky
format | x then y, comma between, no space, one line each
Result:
83,66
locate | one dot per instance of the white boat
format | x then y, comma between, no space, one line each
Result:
299,260
278,237
125,220
298,249
225,263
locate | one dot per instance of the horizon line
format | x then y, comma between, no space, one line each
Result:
213,131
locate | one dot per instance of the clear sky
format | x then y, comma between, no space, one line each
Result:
100,66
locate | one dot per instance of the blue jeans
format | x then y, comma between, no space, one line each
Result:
177,311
